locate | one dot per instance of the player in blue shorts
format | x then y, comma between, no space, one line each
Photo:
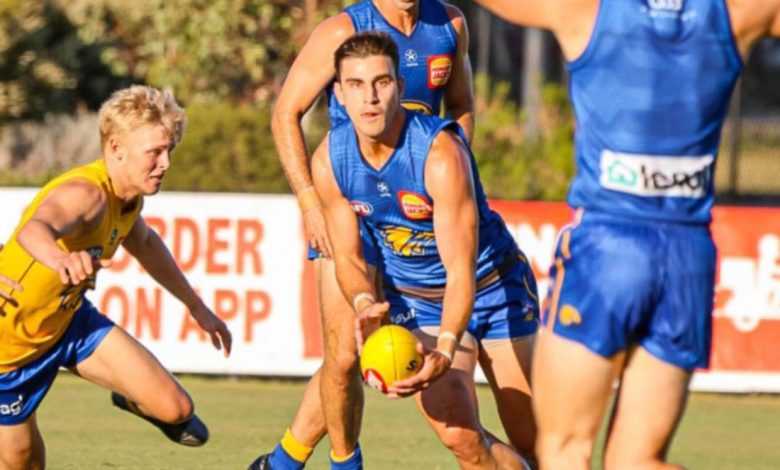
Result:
452,273
434,40
70,230
633,280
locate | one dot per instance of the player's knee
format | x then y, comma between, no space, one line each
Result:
176,407
467,445
21,454
559,451
342,363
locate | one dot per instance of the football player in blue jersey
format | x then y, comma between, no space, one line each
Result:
434,39
452,274
633,280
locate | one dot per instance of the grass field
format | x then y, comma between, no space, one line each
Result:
247,416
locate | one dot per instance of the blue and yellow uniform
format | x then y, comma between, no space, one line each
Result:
398,212
53,325
426,62
426,58
650,94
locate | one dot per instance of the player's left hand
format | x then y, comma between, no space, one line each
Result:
215,327
368,321
436,364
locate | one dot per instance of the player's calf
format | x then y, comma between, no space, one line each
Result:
190,431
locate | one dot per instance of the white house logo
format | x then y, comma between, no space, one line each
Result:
410,55
656,176
12,409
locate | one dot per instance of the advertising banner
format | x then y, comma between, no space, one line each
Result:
246,256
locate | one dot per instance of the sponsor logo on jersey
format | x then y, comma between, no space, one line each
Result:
412,105
405,241
384,189
402,318
410,56
656,176
569,316
361,208
439,70
415,206
13,408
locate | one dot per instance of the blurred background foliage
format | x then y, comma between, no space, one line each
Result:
225,60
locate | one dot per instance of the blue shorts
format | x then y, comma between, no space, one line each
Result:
23,389
370,248
506,308
618,282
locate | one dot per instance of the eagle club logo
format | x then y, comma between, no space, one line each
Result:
362,208
415,206
439,70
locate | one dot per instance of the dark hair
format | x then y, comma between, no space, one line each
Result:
366,44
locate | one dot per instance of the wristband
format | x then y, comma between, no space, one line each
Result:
362,296
446,354
446,344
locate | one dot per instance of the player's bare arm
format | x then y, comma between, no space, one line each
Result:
309,75
571,21
74,208
147,247
753,19
351,270
449,181
459,95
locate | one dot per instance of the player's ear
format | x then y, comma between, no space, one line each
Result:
338,92
114,147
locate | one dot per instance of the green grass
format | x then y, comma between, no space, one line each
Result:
247,416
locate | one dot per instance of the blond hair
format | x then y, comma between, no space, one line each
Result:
138,105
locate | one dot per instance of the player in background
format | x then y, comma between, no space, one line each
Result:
633,280
452,274
70,230
436,68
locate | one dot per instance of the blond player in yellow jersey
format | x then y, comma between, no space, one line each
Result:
70,230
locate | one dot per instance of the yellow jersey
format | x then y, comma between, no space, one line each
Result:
46,305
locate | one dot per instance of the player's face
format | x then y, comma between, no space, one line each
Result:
405,5
370,91
146,156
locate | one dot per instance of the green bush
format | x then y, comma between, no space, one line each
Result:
226,148
513,165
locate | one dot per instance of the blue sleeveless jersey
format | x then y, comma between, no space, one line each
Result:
426,56
398,211
650,94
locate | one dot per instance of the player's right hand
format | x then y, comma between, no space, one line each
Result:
316,230
7,285
77,266
434,366
368,321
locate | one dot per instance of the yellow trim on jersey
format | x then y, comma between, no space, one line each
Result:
529,290
559,275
